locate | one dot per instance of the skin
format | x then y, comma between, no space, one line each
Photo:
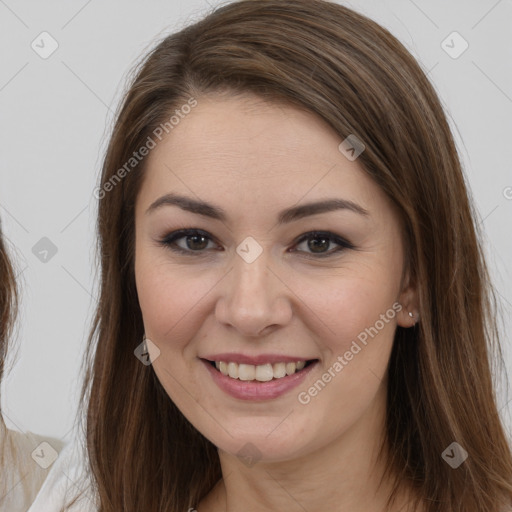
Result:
254,159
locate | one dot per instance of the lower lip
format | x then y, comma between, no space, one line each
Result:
255,390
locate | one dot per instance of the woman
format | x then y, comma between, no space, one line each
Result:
286,236
25,458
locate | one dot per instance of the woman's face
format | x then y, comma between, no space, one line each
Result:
256,289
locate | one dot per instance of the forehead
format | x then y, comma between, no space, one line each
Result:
257,152
248,128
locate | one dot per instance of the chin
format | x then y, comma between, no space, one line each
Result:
264,439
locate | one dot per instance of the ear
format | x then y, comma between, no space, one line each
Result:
409,314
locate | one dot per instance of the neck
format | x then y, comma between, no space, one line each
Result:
343,475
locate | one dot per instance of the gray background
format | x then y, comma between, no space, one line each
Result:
56,115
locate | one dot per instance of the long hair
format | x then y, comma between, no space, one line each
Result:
8,307
353,74
8,302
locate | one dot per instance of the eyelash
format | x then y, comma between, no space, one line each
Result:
170,242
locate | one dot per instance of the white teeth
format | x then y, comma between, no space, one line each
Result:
262,372
246,371
279,370
233,370
290,368
223,368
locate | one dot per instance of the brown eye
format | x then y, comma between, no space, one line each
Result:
319,242
194,241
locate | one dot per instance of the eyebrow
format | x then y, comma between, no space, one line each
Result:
286,216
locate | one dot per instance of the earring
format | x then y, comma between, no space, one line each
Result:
412,315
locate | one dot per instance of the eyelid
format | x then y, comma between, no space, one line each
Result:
342,245
169,240
172,237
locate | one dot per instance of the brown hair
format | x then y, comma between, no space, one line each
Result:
8,302
8,306
352,73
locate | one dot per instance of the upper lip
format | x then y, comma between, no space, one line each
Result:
260,359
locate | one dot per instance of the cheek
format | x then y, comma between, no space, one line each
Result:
355,333
158,300
171,299
171,305
359,305
345,305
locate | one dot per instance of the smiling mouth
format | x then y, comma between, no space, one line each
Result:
259,373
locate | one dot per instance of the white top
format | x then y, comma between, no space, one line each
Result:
66,481
25,461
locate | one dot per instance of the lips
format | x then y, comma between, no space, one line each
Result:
246,384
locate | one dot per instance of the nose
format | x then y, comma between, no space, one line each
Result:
254,299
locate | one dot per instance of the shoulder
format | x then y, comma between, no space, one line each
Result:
67,486
25,459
